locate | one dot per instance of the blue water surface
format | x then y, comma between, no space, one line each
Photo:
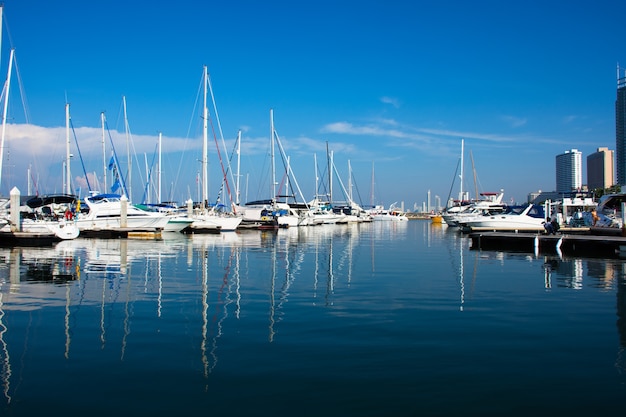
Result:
378,319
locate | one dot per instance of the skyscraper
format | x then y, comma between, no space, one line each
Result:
569,175
600,169
620,127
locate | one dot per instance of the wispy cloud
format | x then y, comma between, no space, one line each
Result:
514,121
570,119
390,100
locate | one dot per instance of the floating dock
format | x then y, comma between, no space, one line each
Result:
8,239
123,232
566,244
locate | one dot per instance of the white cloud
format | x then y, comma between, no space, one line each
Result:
390,100
514,121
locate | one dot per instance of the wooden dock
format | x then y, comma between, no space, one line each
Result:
9,239
123,232
565,243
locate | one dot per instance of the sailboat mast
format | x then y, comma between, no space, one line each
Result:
372,196
28,181
159,200
317,178
461,174
4,112
130,159
272,156
350,182
238,191
474,172
330,175
68,185
205,145
104,155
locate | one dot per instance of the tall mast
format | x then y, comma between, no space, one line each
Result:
4,112
68,182
104,155
461,174
238,191
350,182
205,145
273,189
316,176
159,200
330,175
130,160
372,196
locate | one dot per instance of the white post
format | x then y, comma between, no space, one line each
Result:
16,222
124,211
190,207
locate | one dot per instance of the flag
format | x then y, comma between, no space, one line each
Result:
115,185
111,163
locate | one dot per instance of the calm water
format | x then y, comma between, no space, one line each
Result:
374,319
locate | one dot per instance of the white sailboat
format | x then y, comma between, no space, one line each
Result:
209,219
284,213
13,224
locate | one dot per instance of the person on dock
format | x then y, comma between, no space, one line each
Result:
549,227
594,217
555,225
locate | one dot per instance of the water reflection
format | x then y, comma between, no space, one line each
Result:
193,298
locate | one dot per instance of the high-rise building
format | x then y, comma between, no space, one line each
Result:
569,172
620,127
600,169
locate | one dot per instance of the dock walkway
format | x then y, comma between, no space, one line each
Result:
566,244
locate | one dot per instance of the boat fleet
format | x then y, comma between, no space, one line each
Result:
578,212
64,217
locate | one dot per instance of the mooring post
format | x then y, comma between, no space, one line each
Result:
124,211
16,221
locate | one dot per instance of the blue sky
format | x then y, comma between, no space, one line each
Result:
388,85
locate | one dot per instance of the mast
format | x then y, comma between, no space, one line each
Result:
104,155
317,178
4,112
205,145
238,191
350,182
330,175
474,172
461,174
159,178
372,196
272,156
130,160
68,185
28,181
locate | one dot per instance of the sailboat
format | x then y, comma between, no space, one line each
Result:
465,209
272,211
29,227
104,212
209,219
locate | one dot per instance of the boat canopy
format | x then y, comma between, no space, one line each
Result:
44,200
